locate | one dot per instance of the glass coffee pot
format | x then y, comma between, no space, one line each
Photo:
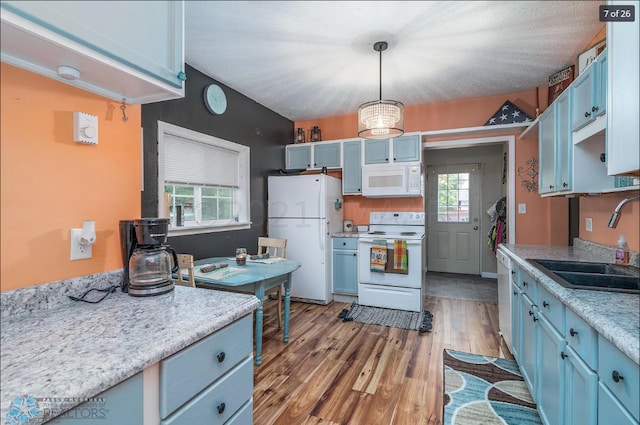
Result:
150,269
150,263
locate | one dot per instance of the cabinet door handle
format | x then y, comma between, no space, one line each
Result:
563,355
524,283
535,319
221,355
530,313
515,292
344,243
550,186
573,332
220,408
615,375
587,114
354,254
565,184
513,272
594,109
545,304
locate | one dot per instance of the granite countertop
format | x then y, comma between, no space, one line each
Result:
614,315
76,350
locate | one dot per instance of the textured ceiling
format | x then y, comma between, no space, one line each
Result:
306,59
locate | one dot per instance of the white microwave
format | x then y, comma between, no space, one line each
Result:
399,179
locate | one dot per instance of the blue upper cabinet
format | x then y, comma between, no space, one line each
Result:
115,55
298,157
406,148
588,92
326,154
376,151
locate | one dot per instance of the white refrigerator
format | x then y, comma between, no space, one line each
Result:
306,210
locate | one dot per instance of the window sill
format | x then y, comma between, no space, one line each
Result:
196,230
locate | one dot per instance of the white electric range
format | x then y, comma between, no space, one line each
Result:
401,290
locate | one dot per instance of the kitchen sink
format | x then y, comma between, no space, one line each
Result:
591,276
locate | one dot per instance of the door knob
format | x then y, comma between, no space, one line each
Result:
475,227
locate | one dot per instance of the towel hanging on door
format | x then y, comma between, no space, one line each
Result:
378,255
400,256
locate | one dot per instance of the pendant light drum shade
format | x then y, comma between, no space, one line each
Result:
380,119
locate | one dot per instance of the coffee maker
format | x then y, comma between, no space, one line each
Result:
147,260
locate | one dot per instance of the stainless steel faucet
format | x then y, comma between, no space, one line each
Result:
615,217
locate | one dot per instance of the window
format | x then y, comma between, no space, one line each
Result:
453,197
204,178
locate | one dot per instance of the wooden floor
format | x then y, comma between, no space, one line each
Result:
334,372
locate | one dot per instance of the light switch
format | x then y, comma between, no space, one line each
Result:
522,208
588,224
85,128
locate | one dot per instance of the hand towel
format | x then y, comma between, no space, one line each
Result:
378,255
400,256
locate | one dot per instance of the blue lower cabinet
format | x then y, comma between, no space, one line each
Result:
516,340
218,403
620,375
120,404
551,376
529,342
581,391
345,266
610,410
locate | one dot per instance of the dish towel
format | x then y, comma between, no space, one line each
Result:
378,255
400,256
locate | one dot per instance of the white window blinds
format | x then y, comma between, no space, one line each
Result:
190,162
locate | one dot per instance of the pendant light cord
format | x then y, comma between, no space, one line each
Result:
380,51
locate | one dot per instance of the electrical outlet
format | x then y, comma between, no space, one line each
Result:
79,251
588,224
522,208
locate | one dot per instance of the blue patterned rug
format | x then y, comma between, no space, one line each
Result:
485,390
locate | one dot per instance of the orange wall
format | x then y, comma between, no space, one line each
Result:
534,227
599,208
49,184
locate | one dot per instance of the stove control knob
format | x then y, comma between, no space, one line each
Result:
410,215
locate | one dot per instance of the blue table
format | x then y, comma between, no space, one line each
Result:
258,278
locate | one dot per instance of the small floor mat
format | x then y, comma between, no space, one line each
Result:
417,321
485,390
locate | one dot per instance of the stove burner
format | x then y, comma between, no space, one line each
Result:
377,232
408,233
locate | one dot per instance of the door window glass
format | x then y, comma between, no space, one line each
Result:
453,197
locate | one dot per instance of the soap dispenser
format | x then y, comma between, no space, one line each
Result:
622,251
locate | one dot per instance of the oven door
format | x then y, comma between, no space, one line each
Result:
412,278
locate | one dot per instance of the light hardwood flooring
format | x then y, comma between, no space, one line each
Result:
333,372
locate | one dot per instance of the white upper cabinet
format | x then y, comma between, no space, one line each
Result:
623,133
131,50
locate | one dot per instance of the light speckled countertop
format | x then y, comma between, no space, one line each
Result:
77,350
616,316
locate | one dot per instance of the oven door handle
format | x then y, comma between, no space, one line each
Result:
390,241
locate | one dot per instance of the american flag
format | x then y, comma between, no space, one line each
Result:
508,114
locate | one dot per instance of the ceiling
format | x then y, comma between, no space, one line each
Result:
315,59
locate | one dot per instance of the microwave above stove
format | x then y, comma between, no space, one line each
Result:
395,180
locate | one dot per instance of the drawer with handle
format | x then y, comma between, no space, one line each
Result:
582,338
345,243
218,403
191,370
619,374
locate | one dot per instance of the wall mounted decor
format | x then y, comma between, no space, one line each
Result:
558,82
530,170
588,56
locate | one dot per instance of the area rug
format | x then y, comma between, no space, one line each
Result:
485,390
417,321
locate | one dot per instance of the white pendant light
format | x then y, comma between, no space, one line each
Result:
380,119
